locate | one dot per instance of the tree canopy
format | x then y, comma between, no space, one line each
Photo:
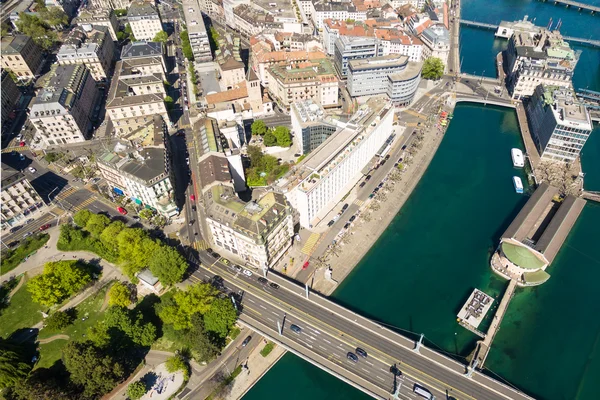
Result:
136,390
38,29
177,363
259,128
161,36
433,68
220,317
186,47
119,295
59,320
54,16
282,134
132,324
264,168
179,308
59,280
12,366
270,139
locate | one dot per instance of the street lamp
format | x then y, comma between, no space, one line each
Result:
50,201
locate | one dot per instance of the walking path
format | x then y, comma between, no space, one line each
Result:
53,338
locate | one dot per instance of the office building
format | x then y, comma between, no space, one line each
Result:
62,110
560,124
196,31
328,173
18,197
144,20
436,41
403,85
369,76
142,175
10,96
92,46
99,16
22,56
538,57
349,48
259,232
310,126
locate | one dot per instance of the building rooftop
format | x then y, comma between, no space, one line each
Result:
412,69
122,88
333,6
281,9
141,10
313,70
566,107
437,34
141,49
214,168
10,176
228,54
83,41
240,91
14,44
391,60
62,90
193,17
146,166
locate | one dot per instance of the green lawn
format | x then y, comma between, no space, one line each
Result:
12,258
50,353
267,349
22,312
88,313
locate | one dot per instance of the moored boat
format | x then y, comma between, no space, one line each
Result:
517,158
518,184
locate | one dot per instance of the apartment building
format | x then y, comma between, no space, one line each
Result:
250,21
310,125
10,96
560,124
109,4
392,41
291,41
92,46
324,177
99,17
259,232
142,175
370,76
196,31
62,109
323,9
436,39
229,60
314,79
538,56
145,58
348,48
144,20
22,56
134,98
18,197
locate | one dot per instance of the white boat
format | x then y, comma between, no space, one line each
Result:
517,158
518,184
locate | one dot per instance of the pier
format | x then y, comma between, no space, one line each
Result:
578,5
474,311
592,196
483,25
531,151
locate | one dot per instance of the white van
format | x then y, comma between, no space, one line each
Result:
421,391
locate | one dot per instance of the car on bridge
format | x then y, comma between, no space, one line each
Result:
295,328
361,352
352,357
262,280
44,227
248,273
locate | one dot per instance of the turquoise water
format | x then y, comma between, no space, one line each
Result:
437,249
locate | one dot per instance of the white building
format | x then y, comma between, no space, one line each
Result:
144,20
259,233
310,125
369,76
322,10
437,43
99,16
324,177
18,197
560,123
196,31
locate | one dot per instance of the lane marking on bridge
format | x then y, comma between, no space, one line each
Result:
344,337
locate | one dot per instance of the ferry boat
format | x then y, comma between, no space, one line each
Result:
517,158
518,184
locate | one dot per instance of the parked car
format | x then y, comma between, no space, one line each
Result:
136,218
22,144
13,244
246,272
305,265
362,184
246,341
352,357
30,220
404,147
352,218
32,170
44,227
15,228
274,285
238,268
330,223
367,178
122,211
27,234
347,225
192,197
344,207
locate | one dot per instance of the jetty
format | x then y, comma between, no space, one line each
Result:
580,6
474,311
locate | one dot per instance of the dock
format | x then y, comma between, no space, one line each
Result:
532,152
580,6
592,196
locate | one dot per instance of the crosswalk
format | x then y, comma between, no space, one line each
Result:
83,204
310,243
18,149
66,193
359,202
201,245
416,114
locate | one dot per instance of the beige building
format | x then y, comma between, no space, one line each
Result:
144,20
62,109
231,67
92,46
18,197
144,58
10,96
244,96
315,80
22,56
104,16
259,232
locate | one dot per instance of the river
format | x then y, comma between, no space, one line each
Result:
437,249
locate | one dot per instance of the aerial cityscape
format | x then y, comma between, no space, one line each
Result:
324,199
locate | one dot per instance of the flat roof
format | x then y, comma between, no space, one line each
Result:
531,212
193,17
410,72
391,60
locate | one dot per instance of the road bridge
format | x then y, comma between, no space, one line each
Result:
483,25
330,331
578,5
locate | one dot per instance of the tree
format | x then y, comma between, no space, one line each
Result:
119,295
135,249
109,235
59,320
194,339
186,47
98,334
96,224
12,367
270,139
178,309
255,154
92,368
54,16
259,128
136,390
132,324
4,29
433,68
169,102
34,26
283,136
45,384
146,213
221,317
129,32
168,265
162,37
59,280
120,12
81,217
177,363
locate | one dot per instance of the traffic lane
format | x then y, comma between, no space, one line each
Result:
425,370
32,227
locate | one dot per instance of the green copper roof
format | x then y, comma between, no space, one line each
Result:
521,256
536,277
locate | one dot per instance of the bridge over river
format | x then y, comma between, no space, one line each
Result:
329,331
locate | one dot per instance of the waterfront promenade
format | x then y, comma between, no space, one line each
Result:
532,153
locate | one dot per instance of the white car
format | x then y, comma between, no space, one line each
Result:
32,170
247,273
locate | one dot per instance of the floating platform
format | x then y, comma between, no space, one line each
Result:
474,310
